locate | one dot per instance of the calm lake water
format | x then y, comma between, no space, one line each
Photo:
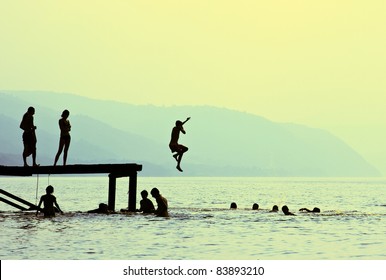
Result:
351,225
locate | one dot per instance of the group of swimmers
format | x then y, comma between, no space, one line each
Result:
146,205
30,140
51,206
275,208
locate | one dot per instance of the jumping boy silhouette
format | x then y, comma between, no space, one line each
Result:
174,146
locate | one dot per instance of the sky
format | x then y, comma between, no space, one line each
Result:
317,63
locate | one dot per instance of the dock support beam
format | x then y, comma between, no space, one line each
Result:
132,192
112,191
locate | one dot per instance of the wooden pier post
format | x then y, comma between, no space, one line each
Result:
112,191
132,192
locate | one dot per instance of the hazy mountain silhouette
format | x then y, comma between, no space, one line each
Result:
221,142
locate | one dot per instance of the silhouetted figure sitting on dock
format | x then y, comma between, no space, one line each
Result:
233,205
65,137
29,136
275,208
49,200
146,204
315,210
286,211
102,209
162,203
174,146
255,206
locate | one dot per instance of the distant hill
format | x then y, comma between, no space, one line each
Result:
221,142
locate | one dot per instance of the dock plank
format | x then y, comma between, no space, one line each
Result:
120,170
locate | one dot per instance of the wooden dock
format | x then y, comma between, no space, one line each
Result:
114,171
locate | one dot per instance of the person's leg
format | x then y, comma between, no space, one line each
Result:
25,157
177,151
67,145
181,152
33,149
34,158
26,149
179,162
61,145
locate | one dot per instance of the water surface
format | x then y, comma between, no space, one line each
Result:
352,224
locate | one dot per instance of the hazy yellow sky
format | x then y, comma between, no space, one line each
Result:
319,63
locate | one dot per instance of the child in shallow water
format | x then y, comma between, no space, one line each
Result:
162,203
147,205
49,200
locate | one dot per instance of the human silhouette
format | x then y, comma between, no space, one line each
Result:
65,138
29,136
233,205
174,146
49,201
286,211
275,208
146,204
102,209
162,203
255,206
315,210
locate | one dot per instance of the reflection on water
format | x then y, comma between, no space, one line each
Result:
350,226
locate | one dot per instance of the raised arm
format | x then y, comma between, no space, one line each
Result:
182,128
188,118
305,209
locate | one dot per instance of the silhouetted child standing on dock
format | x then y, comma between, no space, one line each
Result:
65,137
162,203
174,146
29,136
49,200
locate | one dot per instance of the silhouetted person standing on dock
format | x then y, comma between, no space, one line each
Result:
174,146
49,200
65,138
29,136
162,203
